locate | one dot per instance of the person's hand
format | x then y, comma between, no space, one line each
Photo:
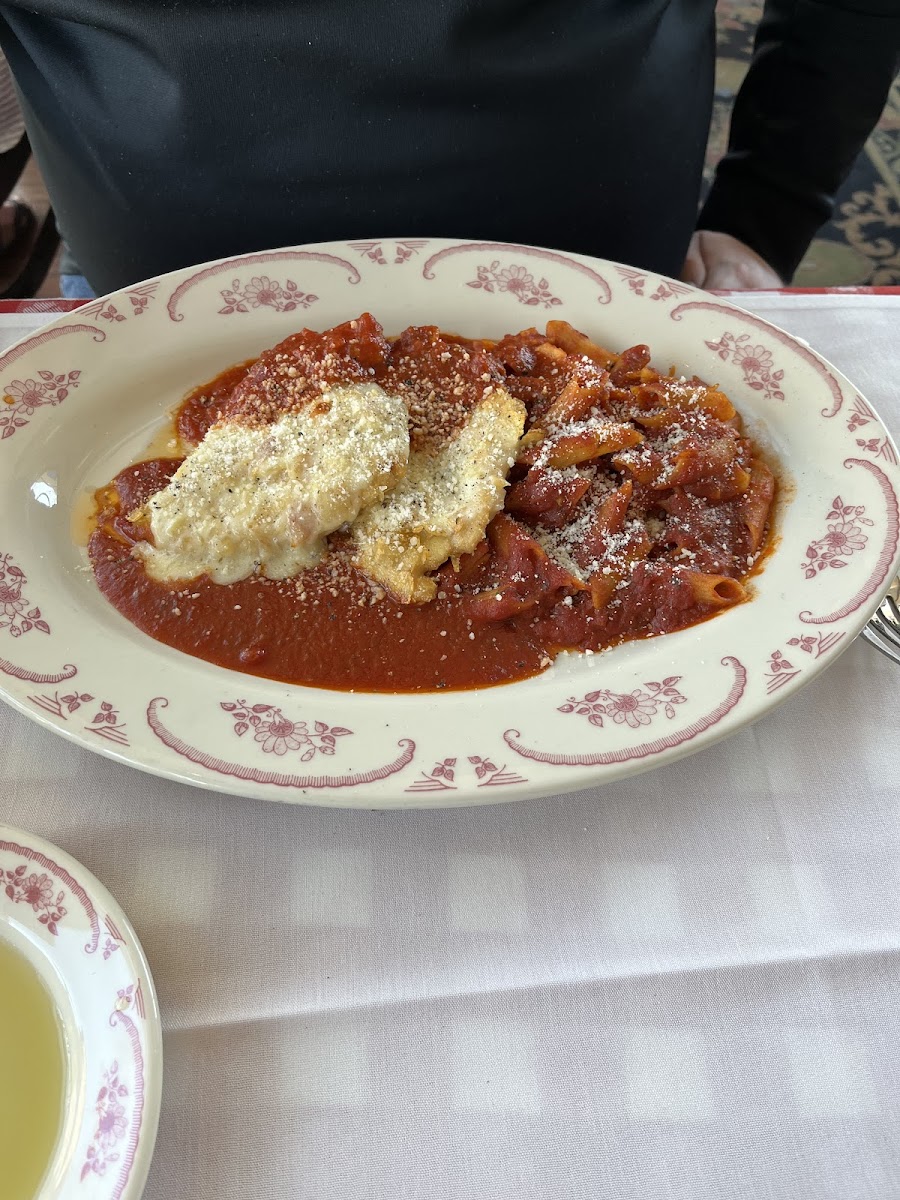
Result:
719,261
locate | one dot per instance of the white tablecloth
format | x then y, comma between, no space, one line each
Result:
665,988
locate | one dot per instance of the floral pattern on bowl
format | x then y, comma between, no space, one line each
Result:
52,910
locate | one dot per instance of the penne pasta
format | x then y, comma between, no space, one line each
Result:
567,450
757,503
568,338
572,403
714,591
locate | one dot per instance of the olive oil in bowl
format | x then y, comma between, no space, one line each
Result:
32,1076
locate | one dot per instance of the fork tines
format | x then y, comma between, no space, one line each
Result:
883,630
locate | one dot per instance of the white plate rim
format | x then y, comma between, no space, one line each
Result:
534,772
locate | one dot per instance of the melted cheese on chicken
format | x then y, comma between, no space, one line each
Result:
262,498
441,507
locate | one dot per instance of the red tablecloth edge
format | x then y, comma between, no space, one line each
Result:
50,304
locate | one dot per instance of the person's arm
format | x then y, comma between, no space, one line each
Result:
820,75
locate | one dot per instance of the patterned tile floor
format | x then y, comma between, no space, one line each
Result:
861,244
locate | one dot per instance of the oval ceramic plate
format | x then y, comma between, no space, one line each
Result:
81,944
84,396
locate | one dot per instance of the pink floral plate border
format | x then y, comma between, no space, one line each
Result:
624,711
54,909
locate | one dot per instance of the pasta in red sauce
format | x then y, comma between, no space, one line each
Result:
636,506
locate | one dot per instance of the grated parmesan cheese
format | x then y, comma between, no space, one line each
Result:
442,506
263,497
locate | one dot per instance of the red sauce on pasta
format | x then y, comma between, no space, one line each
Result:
636,507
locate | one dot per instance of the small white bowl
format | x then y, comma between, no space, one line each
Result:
66,924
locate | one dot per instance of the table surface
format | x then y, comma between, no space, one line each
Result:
683,985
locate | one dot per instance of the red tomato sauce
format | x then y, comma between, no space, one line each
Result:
199,409
643,524
263,627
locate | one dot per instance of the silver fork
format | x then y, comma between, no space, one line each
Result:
883,630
